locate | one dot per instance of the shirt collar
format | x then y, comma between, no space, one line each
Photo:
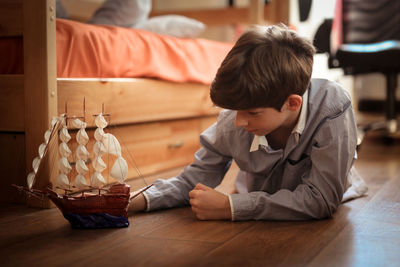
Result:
301,124
297,130
257,141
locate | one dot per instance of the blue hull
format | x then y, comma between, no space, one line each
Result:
96,221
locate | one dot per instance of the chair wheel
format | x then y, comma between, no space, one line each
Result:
358,147
388,140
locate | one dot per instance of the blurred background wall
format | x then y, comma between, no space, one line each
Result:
365,88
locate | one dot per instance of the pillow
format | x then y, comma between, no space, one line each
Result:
123,13
61,13
174,25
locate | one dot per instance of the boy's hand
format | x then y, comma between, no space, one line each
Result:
209,204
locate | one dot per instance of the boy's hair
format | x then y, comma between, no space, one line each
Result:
265,66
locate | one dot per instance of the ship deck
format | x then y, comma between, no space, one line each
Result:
363,232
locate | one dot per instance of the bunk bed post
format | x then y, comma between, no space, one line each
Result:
12,155
40,87
256,12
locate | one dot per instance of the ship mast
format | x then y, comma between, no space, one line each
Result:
64,166
82,154
107,143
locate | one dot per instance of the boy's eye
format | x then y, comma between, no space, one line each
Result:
253,113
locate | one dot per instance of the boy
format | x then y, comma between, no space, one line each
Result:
293,138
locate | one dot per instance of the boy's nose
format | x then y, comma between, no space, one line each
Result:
240,120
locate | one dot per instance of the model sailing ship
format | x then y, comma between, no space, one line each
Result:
95,205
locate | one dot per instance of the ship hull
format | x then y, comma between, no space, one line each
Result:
90,211
96,221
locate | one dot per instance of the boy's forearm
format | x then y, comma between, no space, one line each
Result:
138,203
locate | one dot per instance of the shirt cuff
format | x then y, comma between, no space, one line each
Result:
242,207
231,205
146,197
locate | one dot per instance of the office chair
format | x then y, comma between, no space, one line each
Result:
365,38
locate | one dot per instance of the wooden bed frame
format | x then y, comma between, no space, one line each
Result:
159,121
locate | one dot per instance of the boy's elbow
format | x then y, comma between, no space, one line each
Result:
323,214
326,202
326,209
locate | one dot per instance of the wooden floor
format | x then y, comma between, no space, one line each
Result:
364,232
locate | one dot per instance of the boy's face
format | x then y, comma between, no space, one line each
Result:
260,121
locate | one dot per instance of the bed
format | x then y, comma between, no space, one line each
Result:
158,118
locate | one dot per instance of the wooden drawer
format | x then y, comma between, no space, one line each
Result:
135,100
12,167
154,147
206,122
160,146
157,146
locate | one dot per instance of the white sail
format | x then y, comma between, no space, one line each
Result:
81,167
41,149
80,182
64,150
82,153
41,153
112,145
100,121
62,181
77,123
54,122
64,166
35,164
62,118
119,170
30,179
81,137
47,135
107,143
99,149
64,135
99,134
97,180
98,164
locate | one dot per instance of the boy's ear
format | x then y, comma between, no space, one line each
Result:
293,102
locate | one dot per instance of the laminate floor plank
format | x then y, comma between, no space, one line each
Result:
104,248
373,237
363,232
27,225
49,246
297,243
189,228
143,251
281,243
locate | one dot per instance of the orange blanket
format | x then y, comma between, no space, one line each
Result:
97,51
